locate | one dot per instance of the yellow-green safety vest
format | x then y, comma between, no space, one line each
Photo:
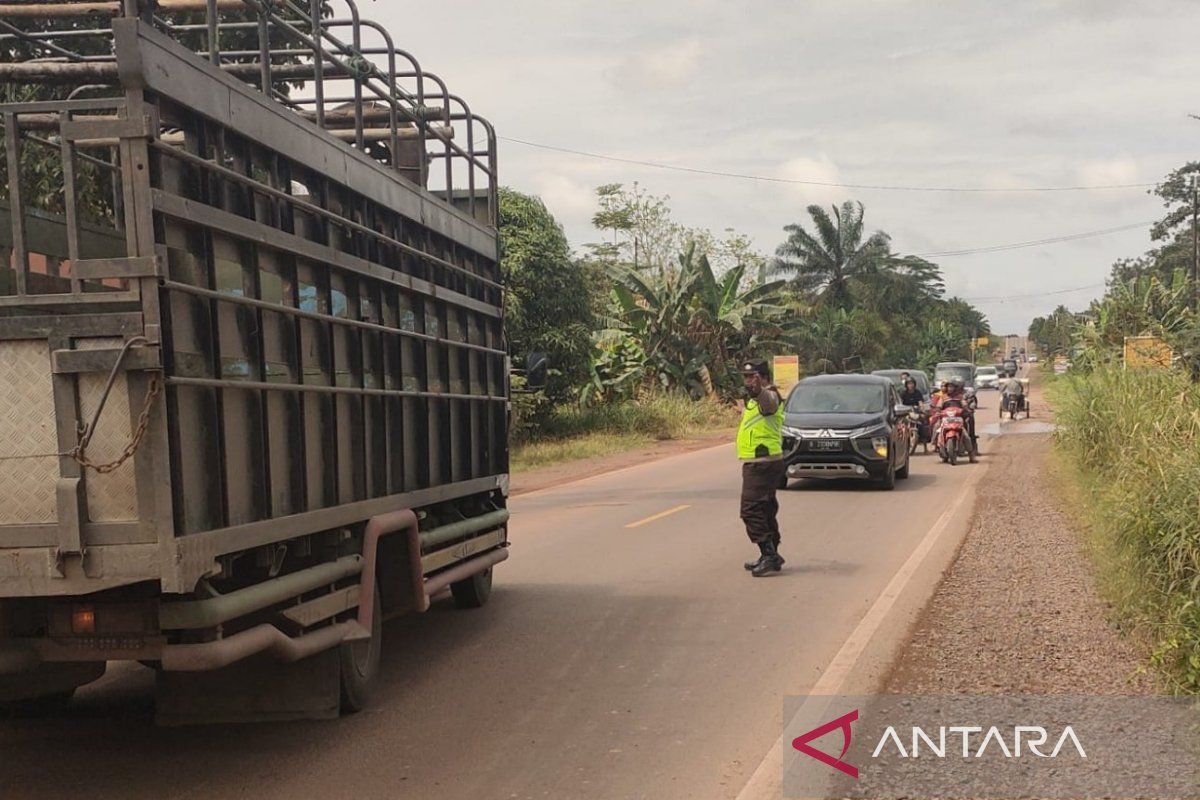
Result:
755,430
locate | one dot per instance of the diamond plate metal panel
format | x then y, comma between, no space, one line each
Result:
111,497
28,442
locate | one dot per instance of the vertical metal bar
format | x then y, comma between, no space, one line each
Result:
358,77
152,462
69,204
214,44
20,258
264,49
318,62
470,122
70,506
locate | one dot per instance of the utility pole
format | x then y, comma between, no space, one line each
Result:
1195,242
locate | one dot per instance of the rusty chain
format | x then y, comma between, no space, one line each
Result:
134,443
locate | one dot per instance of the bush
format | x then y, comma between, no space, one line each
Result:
659,417
1135,435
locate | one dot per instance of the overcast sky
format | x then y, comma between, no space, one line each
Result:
1014,94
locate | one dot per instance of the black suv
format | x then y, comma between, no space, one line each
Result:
846,426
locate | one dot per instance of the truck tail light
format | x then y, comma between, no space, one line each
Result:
83,620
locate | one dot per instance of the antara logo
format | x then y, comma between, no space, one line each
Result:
974,740
801,743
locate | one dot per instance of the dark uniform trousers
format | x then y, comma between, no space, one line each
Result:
760,507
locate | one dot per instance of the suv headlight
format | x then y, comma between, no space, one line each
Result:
870,430
880,444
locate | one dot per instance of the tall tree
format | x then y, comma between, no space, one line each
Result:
828,260
548,293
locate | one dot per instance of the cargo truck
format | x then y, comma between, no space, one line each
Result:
253,376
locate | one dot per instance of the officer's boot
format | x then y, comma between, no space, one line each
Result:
770,562
762,549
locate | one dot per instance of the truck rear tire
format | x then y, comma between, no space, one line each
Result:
474,591
360,663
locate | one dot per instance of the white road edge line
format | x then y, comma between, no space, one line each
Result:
765,782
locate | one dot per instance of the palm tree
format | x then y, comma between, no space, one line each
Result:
830,260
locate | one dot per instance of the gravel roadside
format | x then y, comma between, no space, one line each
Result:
1019,612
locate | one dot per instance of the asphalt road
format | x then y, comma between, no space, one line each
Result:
625,654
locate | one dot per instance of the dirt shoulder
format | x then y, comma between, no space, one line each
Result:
554,475
1019,610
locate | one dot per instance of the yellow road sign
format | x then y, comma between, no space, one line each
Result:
786,372
1142,352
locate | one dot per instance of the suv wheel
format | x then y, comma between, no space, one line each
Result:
888,481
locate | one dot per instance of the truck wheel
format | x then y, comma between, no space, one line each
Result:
474,591
360,663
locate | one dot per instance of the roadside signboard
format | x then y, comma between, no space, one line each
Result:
1143,352
786,372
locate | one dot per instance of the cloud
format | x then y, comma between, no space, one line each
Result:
563,195
665,67
819,170
1106,172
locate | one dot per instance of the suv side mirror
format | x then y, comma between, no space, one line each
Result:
537,367
901,410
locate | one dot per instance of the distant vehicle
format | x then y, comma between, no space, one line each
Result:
1033,358
846,426
1010,367
962,370
917,375
987,378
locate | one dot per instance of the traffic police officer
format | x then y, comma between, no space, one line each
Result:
760,449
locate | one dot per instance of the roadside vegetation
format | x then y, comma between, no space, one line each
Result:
643,330
589,432
1132,436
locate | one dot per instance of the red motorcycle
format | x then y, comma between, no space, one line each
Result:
950,437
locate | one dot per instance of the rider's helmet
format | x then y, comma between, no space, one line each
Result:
956,384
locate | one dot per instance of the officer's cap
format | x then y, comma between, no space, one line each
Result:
754,366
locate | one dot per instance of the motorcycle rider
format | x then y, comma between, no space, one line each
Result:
911,395
939,394
1011,388
955,391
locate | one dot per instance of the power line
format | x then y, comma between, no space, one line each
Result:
1070,237
802,182
1002,298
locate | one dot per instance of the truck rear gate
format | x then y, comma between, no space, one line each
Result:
246,325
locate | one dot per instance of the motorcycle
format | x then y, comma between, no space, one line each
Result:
951,439
1014,404
1010,404
918,428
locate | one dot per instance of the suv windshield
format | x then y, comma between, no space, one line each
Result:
837,398
946,373
986,371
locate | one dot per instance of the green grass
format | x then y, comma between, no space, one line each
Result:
1132,442
570,434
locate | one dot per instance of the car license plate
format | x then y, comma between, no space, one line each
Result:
827,444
